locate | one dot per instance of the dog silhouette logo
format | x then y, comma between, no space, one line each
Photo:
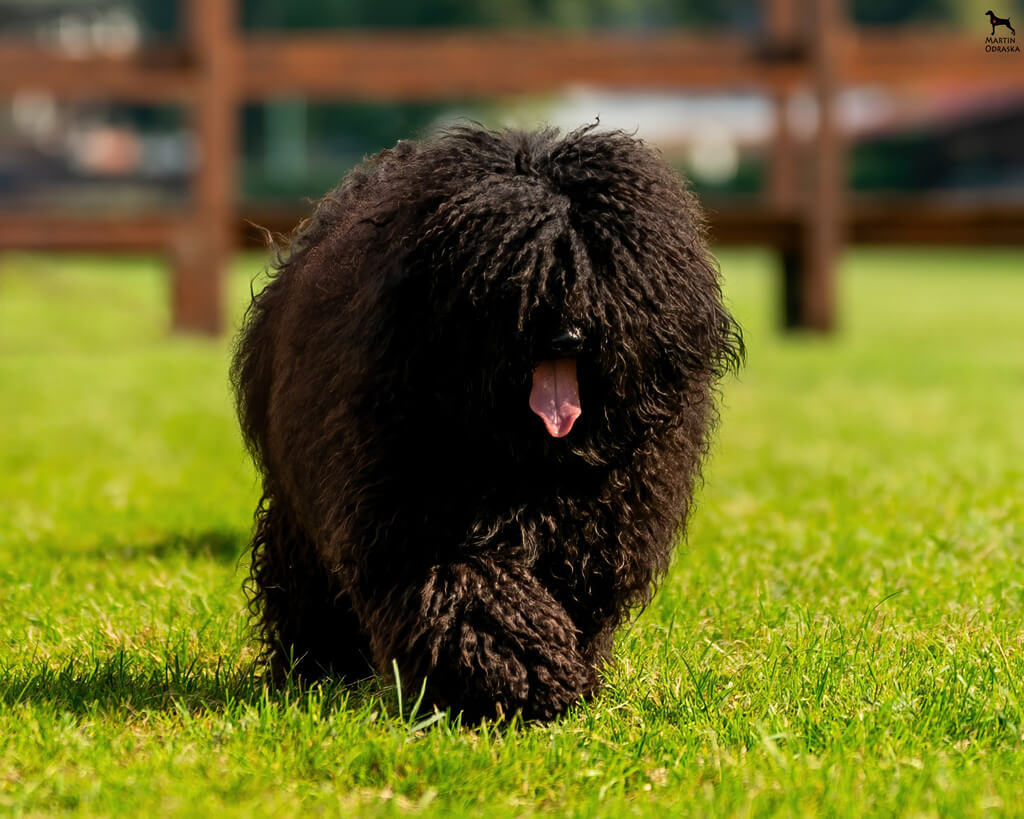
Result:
999,21
993,44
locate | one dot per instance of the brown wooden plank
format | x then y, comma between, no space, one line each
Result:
203,251
423,65
402,65
823,216
405,65
158,76
926,58
914,220
785,33
908,219
79,232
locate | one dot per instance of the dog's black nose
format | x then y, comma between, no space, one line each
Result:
569,342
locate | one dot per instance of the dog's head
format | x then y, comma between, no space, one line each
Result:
551,296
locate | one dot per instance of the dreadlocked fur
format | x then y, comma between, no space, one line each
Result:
414,509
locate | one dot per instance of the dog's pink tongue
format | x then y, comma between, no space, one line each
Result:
555,396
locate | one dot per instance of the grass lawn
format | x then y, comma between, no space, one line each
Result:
843,633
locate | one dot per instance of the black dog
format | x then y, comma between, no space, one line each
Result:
479,387
999,21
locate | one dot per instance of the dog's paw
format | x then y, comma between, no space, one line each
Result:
489,675
511,648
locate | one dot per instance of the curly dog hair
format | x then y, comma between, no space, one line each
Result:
479,388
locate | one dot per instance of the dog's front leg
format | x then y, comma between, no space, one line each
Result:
487,637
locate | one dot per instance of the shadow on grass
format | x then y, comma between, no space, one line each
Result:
124,683
224,545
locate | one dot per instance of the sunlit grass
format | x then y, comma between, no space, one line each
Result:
843,632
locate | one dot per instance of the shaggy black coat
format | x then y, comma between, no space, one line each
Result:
414,509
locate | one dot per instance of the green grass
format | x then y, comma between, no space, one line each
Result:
842,634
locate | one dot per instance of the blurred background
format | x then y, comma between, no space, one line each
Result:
176,127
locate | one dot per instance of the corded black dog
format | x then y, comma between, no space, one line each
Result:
999,21
479,387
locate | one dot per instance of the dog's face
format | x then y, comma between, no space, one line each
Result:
569,303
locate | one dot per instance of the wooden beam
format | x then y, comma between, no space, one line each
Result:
203,249
405,66
925,59
907,220
869,220
823,215
914,220
400,65
783,25
782,188
161,75
784,34
77,232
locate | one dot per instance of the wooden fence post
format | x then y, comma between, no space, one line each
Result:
823,233
785,40
202,252
811,33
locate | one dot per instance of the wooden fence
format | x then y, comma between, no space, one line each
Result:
805,45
